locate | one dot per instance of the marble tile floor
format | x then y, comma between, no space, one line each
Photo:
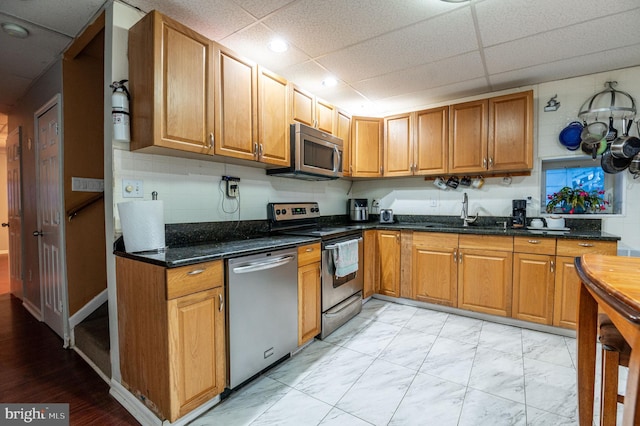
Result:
401,365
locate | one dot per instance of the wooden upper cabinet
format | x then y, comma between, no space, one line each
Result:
494,134
398,145
468,137
303,106
366,146
236,103
343,131
325,116
273,119
171,78
511,132
431,134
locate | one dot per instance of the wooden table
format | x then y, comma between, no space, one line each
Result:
611,283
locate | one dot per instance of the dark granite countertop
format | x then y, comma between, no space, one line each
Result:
191,243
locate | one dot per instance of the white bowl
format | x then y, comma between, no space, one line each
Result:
555,222
537,223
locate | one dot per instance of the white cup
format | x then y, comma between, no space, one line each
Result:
537,223
555,222
440,183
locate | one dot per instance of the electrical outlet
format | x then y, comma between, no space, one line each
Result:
132,188
433,203
375,203
233,189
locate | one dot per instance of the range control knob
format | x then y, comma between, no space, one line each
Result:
284,211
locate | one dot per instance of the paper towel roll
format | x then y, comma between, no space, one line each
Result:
142,225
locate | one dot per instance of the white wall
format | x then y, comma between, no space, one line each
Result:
416,196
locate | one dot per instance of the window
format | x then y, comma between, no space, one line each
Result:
584,173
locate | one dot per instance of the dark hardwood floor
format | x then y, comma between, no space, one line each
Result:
34,368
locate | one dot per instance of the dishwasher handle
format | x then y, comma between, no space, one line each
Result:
261,266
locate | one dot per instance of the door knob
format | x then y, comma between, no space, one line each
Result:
5,225
37,233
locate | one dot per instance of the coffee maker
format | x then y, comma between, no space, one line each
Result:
358,209
519,214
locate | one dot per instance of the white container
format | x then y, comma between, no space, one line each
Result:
537,223
142,225
555,222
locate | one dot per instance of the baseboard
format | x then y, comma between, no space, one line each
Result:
92,365
145,416
88,309
32,309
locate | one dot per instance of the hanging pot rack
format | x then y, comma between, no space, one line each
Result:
618,105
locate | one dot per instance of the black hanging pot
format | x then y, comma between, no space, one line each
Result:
613,165
570,136
625,146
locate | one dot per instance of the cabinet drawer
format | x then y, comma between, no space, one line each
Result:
579,247
435,239
486,242
308,254
534,245
194,278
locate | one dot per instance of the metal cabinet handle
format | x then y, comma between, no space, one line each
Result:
309,250
221,304
260,150
255,148
455,256
460,258
195,272
320,272
490,162
484,163
211,140
534,241
585,245
553,266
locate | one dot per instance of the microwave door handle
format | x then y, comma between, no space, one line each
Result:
336,159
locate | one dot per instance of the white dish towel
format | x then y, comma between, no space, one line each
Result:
345,258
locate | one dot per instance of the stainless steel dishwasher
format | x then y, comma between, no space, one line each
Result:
263,311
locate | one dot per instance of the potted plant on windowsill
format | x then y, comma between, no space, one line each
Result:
576,200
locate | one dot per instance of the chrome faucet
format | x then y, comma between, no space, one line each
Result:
464,215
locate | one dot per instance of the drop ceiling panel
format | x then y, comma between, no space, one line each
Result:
261,8
501,21
587,38
320,27
215,19
418,44
458,69
308,75
65,16
252,42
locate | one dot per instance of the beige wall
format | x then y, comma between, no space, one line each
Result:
4,215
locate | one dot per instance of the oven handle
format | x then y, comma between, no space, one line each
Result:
261,266
335,246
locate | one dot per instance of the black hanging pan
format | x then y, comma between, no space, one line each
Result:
613,165
626,146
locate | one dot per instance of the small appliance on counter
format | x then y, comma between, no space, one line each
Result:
358,209
519,214
386,216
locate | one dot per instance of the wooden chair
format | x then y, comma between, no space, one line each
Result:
615,351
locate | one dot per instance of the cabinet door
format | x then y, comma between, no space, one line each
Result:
468,137
236,103
398,146
366,146
485,281
171,80
302,106
325,113
308,302
196,349
273,119
567,283
371,276
435,275
343,131
533,286
430,155
511,132
389,262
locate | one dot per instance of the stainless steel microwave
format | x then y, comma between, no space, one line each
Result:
315,155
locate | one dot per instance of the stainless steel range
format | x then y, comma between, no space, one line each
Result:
341,296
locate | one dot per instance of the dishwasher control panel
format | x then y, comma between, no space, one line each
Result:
282,212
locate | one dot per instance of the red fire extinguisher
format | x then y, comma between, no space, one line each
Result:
120,111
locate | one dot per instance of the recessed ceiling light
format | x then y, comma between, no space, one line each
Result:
15,30
278,45
329,82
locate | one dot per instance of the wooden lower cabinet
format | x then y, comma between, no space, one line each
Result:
534,264
434,269
485,274
172,344
389,262
370,261
309,301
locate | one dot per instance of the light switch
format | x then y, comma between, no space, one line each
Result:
132,188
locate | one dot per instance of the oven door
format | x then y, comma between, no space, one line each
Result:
317,156
335,290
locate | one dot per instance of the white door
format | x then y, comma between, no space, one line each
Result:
14,206
50,214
